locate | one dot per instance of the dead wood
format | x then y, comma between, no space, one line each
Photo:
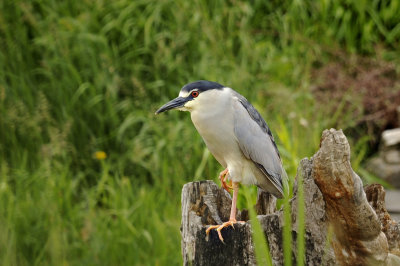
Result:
334,198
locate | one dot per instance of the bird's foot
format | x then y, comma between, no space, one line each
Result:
220,227
223,176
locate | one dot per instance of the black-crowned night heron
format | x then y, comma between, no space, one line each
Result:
237,136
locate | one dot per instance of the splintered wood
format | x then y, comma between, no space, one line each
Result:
362,232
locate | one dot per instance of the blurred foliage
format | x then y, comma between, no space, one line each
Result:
80,77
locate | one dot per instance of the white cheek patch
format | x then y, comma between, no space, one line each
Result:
189,104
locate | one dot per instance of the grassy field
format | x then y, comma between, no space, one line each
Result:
88,174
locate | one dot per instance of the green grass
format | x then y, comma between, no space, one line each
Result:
78,77
262,252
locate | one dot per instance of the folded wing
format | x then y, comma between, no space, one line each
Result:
257,143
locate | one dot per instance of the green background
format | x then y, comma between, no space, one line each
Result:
78,77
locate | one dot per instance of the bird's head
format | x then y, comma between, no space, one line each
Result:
193,96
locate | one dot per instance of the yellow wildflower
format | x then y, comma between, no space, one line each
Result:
100,155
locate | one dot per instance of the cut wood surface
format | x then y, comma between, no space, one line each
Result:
362,232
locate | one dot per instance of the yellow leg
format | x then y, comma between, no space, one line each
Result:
232,218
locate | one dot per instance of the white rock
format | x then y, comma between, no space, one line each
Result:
391,137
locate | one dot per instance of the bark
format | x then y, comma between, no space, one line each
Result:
335,202
376,198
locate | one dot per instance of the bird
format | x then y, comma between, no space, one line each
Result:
237,136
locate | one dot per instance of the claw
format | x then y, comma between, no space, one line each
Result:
220,227
223,176
230,185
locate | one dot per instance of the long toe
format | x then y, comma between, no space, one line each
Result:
222,226
211,227
226,224
223,176
226,186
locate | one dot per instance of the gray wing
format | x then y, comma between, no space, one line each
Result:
256,141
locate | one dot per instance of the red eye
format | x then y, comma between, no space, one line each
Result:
195,94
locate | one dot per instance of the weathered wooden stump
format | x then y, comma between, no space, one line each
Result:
334,198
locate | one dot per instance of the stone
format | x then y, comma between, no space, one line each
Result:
392,156
388,172
391,137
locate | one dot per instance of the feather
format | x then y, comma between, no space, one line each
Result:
256,141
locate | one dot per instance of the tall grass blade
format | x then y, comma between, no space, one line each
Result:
300,221
263,255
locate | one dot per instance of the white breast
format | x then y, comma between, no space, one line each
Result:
214,121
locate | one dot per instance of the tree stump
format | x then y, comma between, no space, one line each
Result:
333,197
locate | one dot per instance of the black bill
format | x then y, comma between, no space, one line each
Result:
175,103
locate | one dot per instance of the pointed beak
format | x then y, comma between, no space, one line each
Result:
175,103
